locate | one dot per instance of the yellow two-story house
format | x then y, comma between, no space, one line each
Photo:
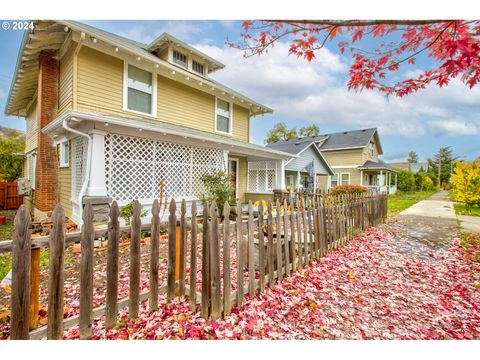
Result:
109,118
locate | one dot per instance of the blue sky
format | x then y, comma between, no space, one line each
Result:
302,93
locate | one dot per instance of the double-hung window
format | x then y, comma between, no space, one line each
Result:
345,179
140,92
334,180
64,154
223,121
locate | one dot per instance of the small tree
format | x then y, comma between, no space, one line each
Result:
218,187
10,161
310,130
406,181
280,132
412,157
466,183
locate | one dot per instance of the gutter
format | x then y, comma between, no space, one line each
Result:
87,172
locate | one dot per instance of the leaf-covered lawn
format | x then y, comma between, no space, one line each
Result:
401,201
382,285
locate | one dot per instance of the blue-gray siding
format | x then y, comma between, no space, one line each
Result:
306,158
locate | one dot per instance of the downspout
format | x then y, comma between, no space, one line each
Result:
87,172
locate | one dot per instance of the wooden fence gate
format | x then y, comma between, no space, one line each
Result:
9,198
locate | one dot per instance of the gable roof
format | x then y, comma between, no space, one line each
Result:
380,165
51,34
350,139
297,148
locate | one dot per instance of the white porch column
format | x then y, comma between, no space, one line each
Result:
381,180
315,181
280,174
297,186
225,157
97,186
361,177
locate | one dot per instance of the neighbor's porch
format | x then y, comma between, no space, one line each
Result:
379,180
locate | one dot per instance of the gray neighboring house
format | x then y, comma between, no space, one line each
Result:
306,170
353,157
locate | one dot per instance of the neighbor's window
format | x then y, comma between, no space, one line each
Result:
140,90
346,179
334,180
179,58
64,154
223,116
198,67
370,148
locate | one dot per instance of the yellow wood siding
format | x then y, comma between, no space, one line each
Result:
31,134
100,90
65,84
344,157
65,187
354,175
182,105
242,177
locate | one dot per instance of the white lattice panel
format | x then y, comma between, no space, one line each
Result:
261,176
79,161
135,166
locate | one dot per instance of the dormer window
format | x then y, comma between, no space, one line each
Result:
198,67
179,58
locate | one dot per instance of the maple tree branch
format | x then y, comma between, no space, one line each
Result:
361,22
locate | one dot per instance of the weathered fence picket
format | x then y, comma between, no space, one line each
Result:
56,275
111,306
134,287
292,234
86,273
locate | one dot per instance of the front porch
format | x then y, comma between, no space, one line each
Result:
379,181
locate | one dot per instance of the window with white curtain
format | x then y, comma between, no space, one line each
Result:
334,180
140,90
223,121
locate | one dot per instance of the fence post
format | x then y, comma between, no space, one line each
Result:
193,258
215,264
154,256
261,247
299,232
183,246
205,263
172,244
111,306
227,304
251,252
305,232
286,228
270,257
134,289
86,273
293,250
278,244
240,265
34,287
20,297
56,275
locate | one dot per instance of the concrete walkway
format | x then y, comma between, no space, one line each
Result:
439,206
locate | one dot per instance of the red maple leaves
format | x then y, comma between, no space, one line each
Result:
453,45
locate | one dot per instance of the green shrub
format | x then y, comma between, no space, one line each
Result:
427,183
218,188
406,181
126,212
348,189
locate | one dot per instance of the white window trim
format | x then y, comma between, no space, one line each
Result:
340,179
153,112
230,123
61,154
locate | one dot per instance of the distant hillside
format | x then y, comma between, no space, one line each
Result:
6,132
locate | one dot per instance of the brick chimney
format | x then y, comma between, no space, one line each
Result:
46,194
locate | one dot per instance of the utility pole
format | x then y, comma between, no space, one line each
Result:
439,166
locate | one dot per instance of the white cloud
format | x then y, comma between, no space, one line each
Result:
2,94
316,91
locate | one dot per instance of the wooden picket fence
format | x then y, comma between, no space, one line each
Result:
270,243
